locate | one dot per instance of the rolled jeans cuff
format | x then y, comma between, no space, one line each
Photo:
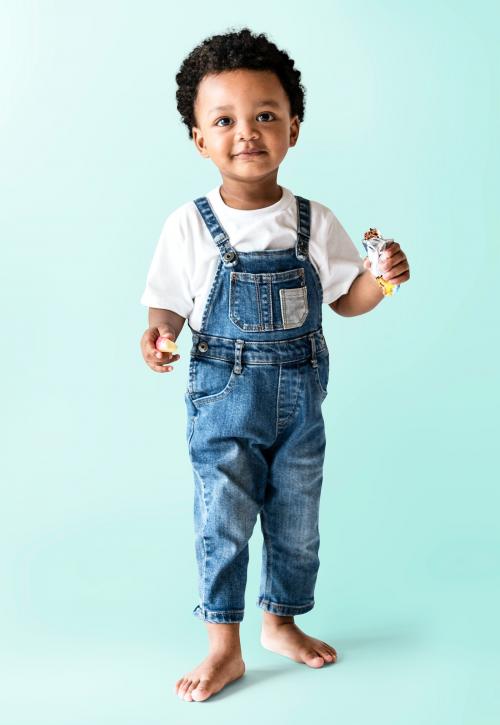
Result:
285,610
230,616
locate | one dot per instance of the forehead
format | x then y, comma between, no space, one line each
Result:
230,87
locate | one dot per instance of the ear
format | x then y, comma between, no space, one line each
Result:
199,142
294,130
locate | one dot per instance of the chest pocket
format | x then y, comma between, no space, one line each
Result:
268,301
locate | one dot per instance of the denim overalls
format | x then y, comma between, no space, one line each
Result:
258,374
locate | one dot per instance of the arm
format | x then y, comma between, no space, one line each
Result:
365,292
363,295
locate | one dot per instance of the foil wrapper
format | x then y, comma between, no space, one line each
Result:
374,244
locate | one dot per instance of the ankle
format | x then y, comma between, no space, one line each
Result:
224,638
273,621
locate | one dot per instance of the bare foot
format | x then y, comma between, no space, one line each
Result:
211,675
281,635
223,665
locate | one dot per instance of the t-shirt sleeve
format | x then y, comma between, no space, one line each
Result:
339,260
167,283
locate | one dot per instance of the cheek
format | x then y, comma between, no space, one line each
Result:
280,137
220,143
281,144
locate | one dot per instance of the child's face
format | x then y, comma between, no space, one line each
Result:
241,109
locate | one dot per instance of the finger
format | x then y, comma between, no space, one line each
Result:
396,271
400,278
390,252
164,357
165,332
151,338
161,368
388,264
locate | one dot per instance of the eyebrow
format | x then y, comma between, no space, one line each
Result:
269,102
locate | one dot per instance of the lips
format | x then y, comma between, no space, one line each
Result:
250,152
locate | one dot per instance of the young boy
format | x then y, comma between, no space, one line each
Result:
250,265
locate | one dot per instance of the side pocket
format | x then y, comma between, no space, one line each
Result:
191,414
322,372
210,379
190,434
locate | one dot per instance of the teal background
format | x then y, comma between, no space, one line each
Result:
97,567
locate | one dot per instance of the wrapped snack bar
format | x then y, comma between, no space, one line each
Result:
375,244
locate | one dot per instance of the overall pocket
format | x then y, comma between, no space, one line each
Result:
268,301
210,379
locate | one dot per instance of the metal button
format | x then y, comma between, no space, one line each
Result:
203,346
229,256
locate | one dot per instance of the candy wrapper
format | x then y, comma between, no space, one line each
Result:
374,243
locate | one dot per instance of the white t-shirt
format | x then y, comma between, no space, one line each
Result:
186,257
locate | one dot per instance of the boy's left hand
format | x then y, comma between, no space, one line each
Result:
393,264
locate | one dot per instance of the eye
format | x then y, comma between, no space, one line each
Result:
226,118
266,113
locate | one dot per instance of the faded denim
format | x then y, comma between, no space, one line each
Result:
258,374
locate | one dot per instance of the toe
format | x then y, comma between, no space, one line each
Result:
331,650
202,691
189,692
325,652
313,659
182,689
178,684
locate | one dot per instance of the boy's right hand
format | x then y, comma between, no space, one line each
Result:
156,360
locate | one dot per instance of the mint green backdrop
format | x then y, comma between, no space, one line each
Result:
97,575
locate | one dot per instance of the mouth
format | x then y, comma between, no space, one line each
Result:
249,154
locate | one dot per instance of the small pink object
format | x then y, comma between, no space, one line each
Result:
165,344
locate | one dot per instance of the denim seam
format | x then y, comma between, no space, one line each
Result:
320,293
204,562
269,555
270,603
277,430
264,362
209,302
190,435
259,306
294,410
271,309
221,611
318,382
199,333
230,616
289,275
207,399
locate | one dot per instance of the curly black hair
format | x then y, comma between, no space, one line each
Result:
231,51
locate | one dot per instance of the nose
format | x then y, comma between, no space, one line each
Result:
246,129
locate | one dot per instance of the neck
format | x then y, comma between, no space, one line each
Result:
250,194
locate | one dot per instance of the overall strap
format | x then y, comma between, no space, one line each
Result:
303,227
218,233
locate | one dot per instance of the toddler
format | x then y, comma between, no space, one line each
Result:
249,265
